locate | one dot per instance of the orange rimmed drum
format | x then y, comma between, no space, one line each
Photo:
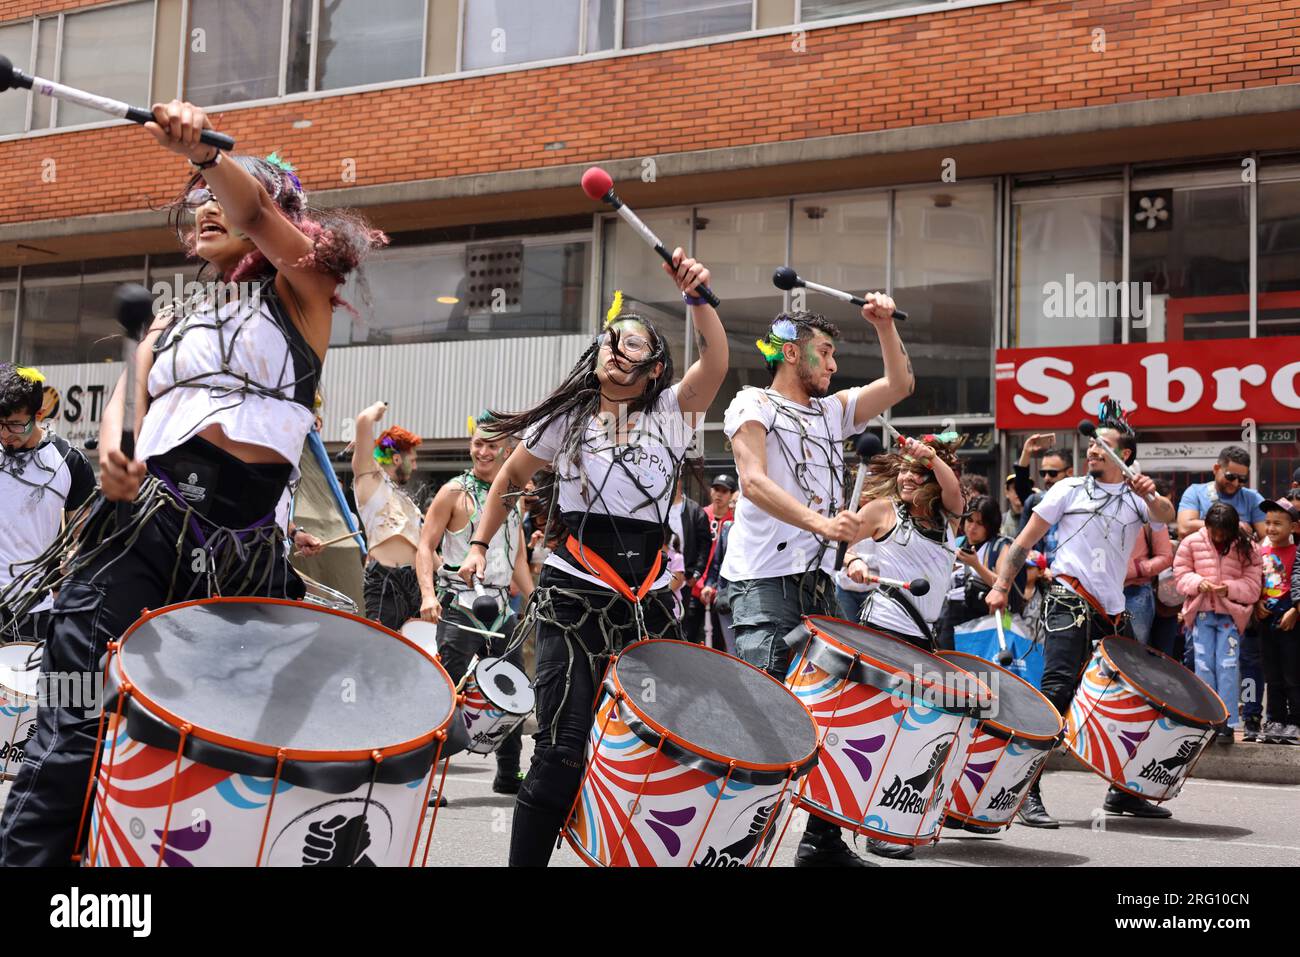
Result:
250,731
891,717
690,762
992,775
1140,719
19,678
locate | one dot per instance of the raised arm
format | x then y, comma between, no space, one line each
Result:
898,382
700,385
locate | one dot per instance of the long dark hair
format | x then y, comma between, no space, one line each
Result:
1222,517
576,400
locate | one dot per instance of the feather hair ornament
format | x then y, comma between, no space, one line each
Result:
1111,415
615,308
782,331
29,374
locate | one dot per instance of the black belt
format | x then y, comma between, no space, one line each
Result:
225,490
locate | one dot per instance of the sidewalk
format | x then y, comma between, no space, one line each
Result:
1253,763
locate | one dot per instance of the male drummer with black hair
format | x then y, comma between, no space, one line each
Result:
43,480
450,526
788,442
1098,519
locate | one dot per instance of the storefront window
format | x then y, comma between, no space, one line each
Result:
67,315
944,257
1279,258
1196,260
1067,262
8,298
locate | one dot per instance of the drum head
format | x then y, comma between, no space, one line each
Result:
899,657
423,633
285,675
504,685
1020,707
1163,681
15,675
712,702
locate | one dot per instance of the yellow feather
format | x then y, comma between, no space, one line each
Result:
615,308
30,374
471,425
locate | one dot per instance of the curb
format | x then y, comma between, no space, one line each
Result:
1245,762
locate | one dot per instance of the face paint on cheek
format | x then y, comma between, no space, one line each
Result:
810,356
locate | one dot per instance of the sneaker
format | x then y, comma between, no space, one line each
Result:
898,852
983,828
1121,802
1032,813
507,782
1250,731
1290,735
827,850
1273,732
1224,736
436,799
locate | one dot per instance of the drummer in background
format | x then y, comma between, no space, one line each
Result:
1099,518
450,526
381,468
617,431
914,503
43,480
788,443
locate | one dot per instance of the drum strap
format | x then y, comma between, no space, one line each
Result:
1113,620
896,593
602,570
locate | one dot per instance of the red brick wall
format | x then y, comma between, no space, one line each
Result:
996,60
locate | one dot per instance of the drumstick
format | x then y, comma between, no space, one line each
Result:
868,446
469,670
918,586
598,184
134,312
334,541
786,279
11,77
1004,654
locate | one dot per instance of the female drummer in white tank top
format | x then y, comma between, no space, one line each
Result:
223,398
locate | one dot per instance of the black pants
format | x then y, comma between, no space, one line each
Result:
1070,627
566,687
98,604
391,593
1281,653
456,647
954,613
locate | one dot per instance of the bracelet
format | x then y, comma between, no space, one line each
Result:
210,163
1002,588
475,541
694,300
855,558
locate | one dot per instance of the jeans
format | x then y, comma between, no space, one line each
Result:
1140,602
1214,643
851,602
1252,674
1281,671
764,610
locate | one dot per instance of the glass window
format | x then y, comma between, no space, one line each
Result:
1279,259
8,299
297,71
499,289
232,51
825,9
668,21
944,254
602,24
16,44
500,32
842,242
70,318
47,48
108,51
1061,246
1197,261
355,45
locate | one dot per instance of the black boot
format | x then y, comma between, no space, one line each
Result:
898,852
1121,802
1032,813
822,846
508,780
436,799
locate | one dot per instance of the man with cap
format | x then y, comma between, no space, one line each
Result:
1276,617
721,494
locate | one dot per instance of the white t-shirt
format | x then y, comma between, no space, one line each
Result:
37,487
805,456
602,484
1097,526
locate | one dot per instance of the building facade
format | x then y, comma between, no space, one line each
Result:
1041,185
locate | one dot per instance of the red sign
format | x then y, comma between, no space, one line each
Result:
1209,382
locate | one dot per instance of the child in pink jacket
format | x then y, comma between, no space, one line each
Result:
1219,571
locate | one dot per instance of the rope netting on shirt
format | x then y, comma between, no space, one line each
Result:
18,463
222,560
228,382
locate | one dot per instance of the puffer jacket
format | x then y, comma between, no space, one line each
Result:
1198,560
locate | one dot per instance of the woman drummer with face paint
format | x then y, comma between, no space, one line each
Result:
616,431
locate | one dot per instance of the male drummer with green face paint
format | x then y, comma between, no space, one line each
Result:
788,442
